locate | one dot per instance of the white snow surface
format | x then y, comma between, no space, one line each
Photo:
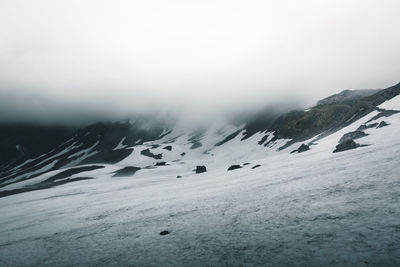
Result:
315,208
393,103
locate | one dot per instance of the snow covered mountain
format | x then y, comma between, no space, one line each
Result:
307,187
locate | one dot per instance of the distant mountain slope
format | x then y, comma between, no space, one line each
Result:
330,115
346,96
30,152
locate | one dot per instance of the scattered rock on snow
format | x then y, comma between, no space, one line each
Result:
352,135
367,126
234,167
178,176
148,153
256,166
201,169
346,145
196,144
169,148
245,164
127,171
165,232
301,149
382,124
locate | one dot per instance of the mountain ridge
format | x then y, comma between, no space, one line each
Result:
114,142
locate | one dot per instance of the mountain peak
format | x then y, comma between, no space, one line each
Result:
347,95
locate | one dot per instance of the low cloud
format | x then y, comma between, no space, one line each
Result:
79,61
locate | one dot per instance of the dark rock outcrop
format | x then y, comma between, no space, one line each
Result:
160,163
234,167
352,136
195,139
228,138
169,148
165,232
301,149
41,186
72,171
196,144
200,169
383,124
148,153
127,171
256,166
346,145
367,126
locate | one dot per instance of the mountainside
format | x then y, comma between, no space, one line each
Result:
31,151
308,187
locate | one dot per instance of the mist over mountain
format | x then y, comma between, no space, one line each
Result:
81,61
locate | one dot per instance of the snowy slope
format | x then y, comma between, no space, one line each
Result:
312,208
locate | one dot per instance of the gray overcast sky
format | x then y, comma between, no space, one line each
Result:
63,58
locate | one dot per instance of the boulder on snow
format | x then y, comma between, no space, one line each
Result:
234,167
367,126
127,171
200,169
346,145
382,124
169,148
165,232
352,135
148,153
301,149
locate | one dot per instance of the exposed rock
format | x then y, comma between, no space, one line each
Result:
383,124
352,135
148,153
183,154
228,138
201,169
195,145
367,126
384,113
72,171
195,139
346,145
346,95
42,185
234,167
256,166
127,171
161,163
301,149
327,117
108,156
178,176
245,164
169,148
165,232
